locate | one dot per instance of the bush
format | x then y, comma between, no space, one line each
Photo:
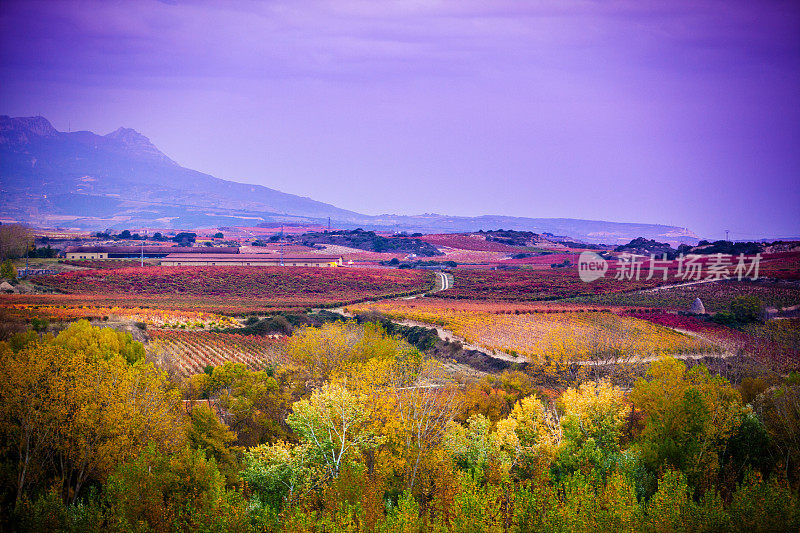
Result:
746,309
39,324
725,318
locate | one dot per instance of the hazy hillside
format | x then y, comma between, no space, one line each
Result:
84,180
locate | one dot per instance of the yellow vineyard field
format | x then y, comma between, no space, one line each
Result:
558,336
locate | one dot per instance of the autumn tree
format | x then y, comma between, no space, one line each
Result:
336,349
254,404
530,435
689,415
334,424
593,416
15,239
421,402
75,407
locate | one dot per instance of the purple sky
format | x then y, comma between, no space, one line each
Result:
675,112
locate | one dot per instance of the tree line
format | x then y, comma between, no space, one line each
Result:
357,430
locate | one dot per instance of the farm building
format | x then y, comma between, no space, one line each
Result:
181,259
133,252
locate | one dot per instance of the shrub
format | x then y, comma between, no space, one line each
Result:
746,309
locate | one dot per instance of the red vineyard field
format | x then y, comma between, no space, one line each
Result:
466,242
223,289
776,342
105,264
532,285
191,351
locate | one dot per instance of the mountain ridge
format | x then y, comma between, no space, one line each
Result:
121,179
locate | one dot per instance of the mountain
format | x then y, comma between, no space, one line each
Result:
121,180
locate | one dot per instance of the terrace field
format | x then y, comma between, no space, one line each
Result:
229,290
563,336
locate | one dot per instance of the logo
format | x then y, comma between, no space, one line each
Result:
591,266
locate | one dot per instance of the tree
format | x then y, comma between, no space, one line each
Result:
472,447
422,403
689,415
594,414
15,239
75,407
334,424
277,472
778,408
7,270
100,343
180,491
530,435
746,309
206,432
184,238
337,349
254,404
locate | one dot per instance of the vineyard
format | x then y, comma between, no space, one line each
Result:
557,336
152,317
191,351
106,264
468,242
226,290
715,296
776,342
532,285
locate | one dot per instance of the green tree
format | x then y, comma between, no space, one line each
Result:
7,270
182,491
208,433
255,403
746,309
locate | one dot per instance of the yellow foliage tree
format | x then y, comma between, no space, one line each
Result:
530,435
337,348
689,416
76,403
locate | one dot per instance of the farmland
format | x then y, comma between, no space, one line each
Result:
111,264
566,336
158,318
532,285
775,343
232,290
468,242
715,296
189,352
